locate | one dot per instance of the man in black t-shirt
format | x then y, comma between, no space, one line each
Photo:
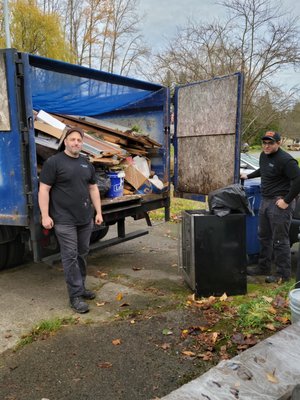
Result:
68,199
280,184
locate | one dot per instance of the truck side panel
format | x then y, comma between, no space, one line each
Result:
15,171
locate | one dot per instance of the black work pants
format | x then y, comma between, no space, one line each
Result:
273,233
74,247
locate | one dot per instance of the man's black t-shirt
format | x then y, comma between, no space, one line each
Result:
280,175
69,179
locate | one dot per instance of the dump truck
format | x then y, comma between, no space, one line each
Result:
206,141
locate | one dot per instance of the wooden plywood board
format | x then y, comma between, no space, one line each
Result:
4,109
208,108
198,171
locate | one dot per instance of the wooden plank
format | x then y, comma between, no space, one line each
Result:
104,161
102,145
50,130
111,128
86,127
138,152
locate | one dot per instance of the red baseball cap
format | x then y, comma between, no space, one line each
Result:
270,135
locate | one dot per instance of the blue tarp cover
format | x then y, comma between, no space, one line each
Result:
64,88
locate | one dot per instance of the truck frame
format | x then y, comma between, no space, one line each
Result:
207,123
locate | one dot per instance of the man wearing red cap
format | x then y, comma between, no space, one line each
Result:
280,184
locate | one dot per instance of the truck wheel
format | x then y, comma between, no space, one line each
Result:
3,255
16,251
98,235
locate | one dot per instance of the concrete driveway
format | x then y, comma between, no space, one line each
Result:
34,292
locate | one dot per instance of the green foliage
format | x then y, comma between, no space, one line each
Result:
45,328
37,33
257,311
255,314
136,128
177,206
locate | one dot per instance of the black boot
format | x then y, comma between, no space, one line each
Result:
79,305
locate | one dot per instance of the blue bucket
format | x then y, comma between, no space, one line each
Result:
117,184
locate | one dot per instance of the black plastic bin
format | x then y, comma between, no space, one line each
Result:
213,253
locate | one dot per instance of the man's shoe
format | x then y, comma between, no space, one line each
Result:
79,305
276,279
257,270
88,295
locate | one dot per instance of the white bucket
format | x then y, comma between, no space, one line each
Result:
294,298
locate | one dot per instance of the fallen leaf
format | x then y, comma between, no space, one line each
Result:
165,346
105,365
119,296
238,338
272,310
271,377
283,320
267,299
8,335
101,274
192,297
101,304
124,305
116,342
136,268
206,356
271,327
214,336
167,332
223,297
188,353
280,301
132,321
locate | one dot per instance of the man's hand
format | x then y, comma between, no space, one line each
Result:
47,222
98,219
244,176
281,204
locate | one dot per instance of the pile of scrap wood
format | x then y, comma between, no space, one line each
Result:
106,144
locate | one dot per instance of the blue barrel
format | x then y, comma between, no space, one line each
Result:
117,184
254,198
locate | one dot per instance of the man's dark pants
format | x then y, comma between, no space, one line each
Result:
273,233
74,244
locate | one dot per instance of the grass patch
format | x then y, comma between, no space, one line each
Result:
236,323
44,329
177,206
254,315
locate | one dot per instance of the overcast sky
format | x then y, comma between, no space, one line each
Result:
163,16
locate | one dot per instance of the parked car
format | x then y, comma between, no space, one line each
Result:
250,163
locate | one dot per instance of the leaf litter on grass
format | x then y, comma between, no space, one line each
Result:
233,324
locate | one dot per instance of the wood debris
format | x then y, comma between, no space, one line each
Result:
108,145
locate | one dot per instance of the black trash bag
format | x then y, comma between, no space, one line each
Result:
103,182
228,200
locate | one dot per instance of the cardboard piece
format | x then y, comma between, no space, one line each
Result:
49,129
149,187
134,176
